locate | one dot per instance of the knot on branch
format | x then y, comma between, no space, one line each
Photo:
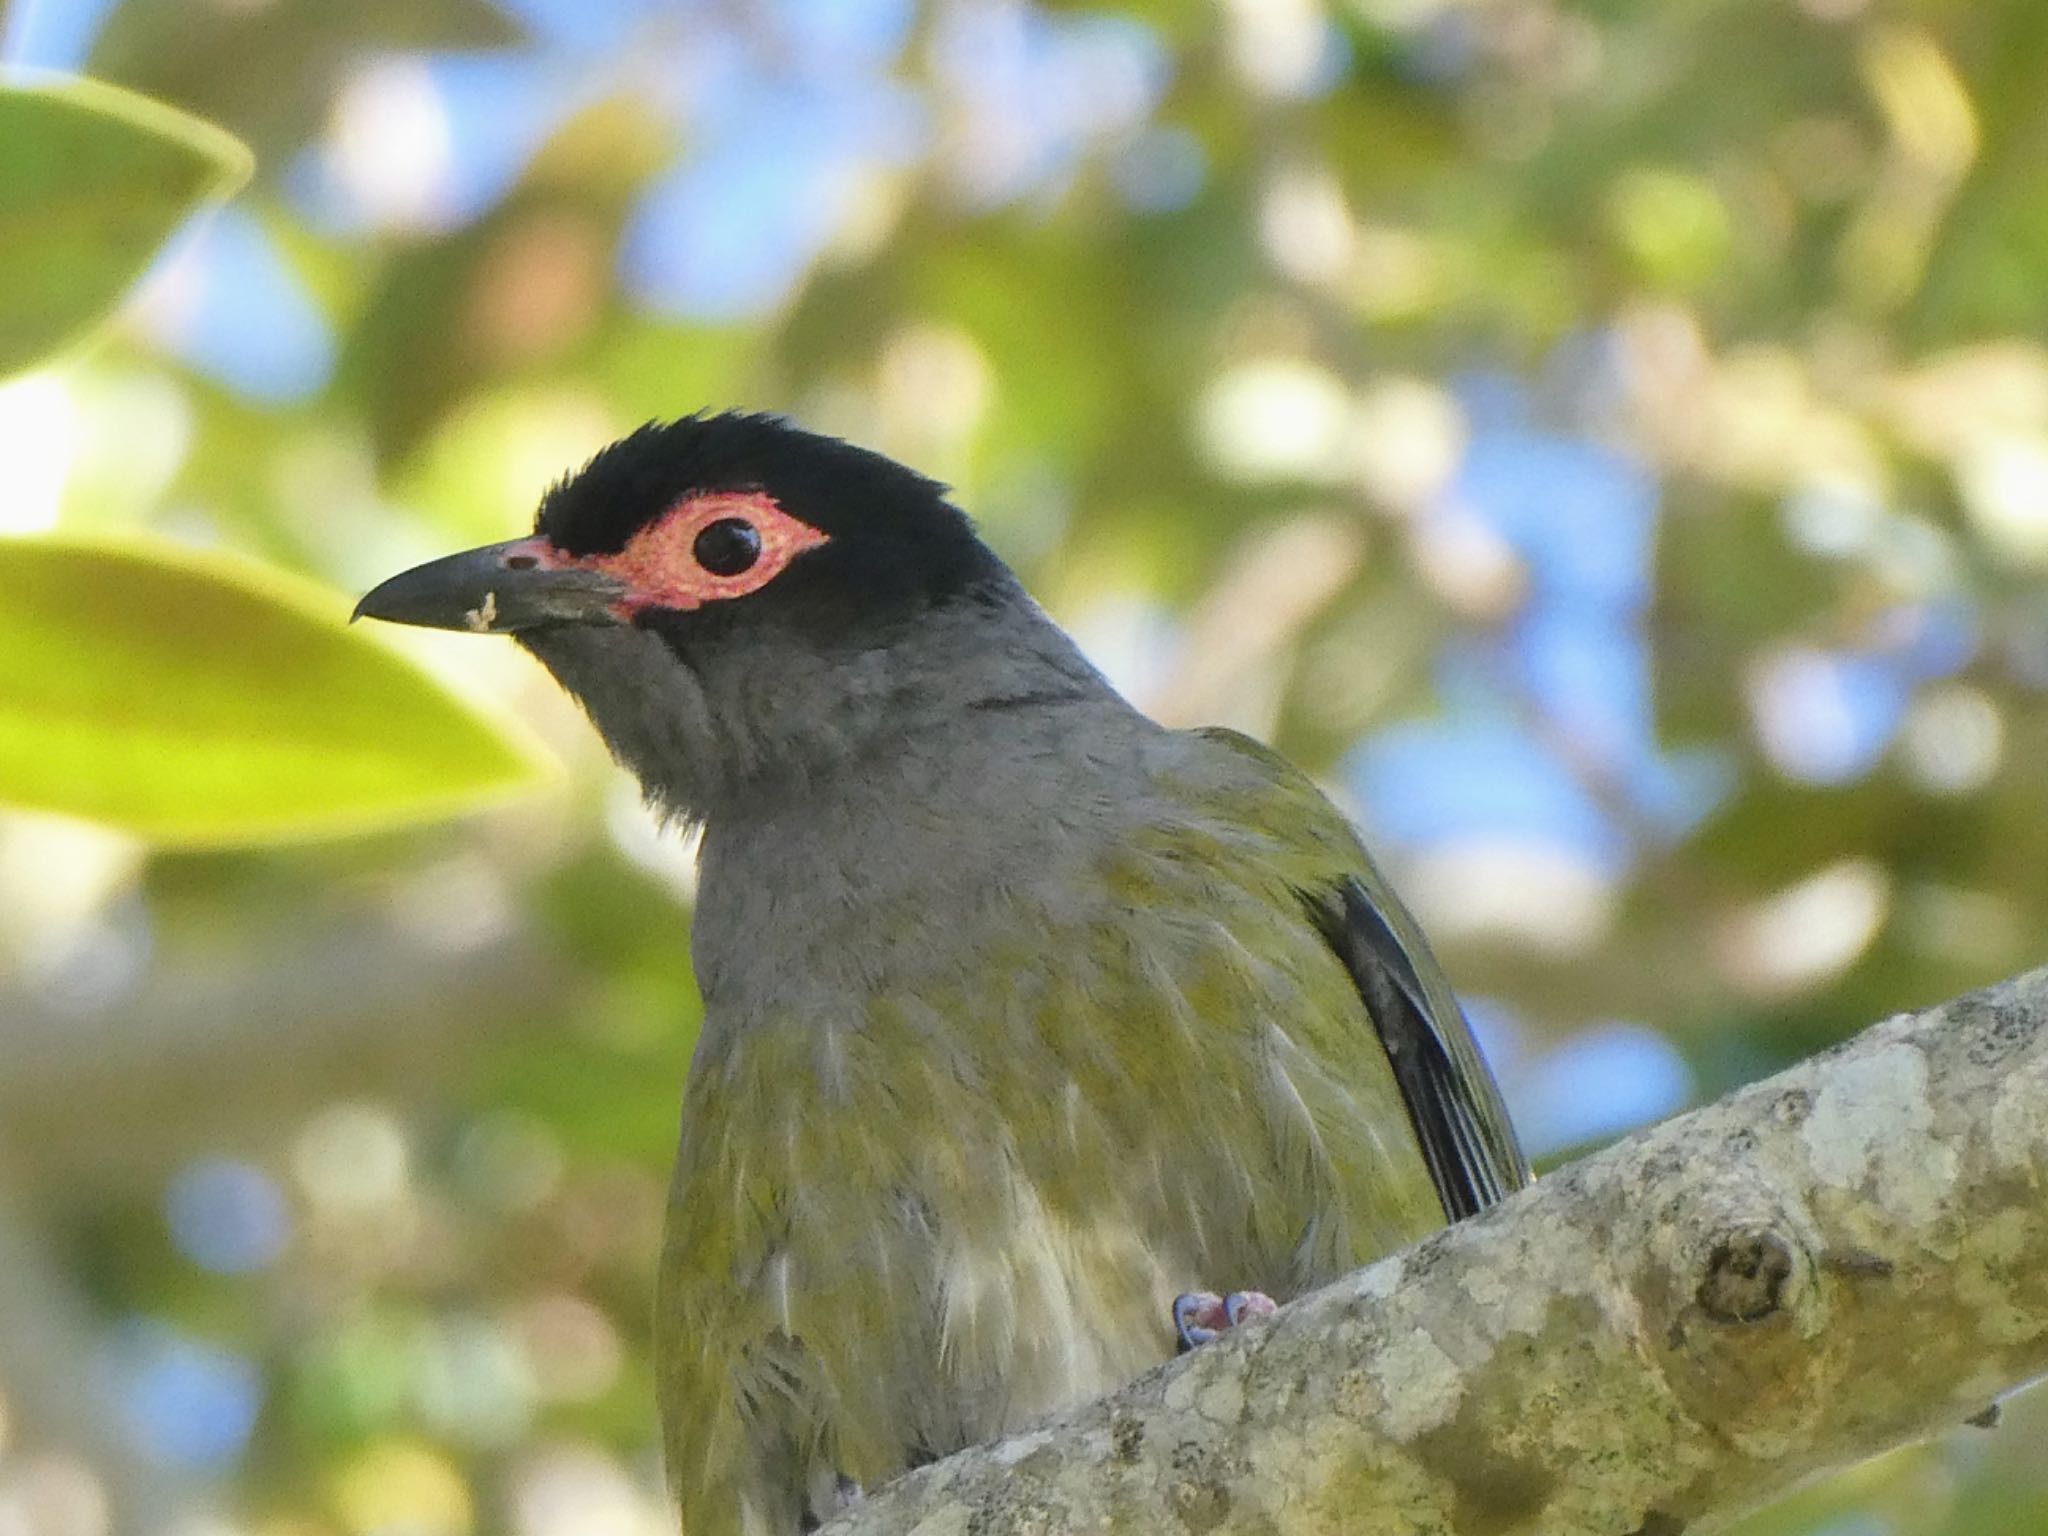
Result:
1745,1276
1732,1305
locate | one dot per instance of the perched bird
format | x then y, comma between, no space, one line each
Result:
1029,1024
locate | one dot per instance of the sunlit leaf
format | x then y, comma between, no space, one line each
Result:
197,699
93,179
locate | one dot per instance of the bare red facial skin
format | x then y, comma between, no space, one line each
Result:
659,563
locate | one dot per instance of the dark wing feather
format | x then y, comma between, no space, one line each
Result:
1460,1122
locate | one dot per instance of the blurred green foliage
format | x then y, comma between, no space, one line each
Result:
383,1125
189,700
93,181
198,700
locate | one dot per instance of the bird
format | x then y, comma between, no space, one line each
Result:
1030,1025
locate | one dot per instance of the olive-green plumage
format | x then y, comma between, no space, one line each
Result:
970,1197
1023,1015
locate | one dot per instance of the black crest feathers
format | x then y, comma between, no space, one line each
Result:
894,541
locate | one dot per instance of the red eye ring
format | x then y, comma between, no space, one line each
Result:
665,565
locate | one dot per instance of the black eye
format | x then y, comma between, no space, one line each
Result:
728,546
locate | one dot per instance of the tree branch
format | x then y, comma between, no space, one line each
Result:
199,1058
1841,1259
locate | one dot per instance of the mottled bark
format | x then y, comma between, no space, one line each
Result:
1844,1258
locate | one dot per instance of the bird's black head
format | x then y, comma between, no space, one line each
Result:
728,522
732,597
709,526
723,525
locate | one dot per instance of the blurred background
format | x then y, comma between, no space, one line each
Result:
1607,442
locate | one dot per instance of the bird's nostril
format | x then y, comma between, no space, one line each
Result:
520,562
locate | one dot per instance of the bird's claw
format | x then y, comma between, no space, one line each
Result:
1199,1316
1241,1305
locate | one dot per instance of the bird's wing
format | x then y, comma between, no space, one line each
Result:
1460,1122
1451,1098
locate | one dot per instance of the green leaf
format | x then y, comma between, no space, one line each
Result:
200,700
93,180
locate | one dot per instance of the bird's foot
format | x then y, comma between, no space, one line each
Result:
1199,1316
